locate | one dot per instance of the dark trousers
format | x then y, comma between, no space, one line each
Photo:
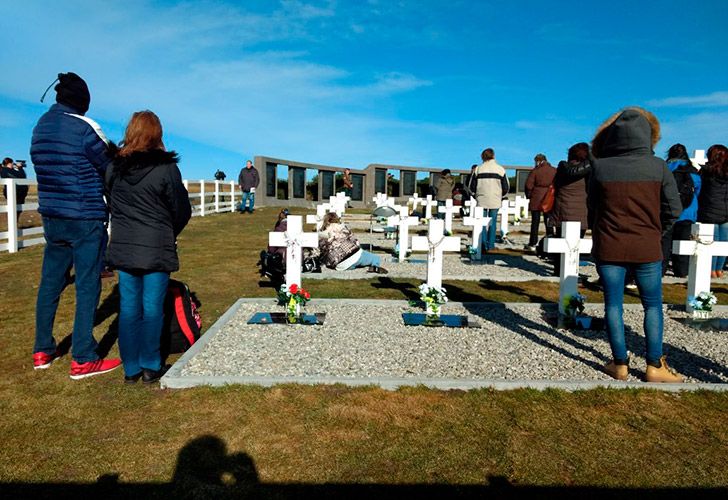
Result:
535,221
680,263
77,243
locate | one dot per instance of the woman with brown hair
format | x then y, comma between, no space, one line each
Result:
149,207
632,200
340,249
713,199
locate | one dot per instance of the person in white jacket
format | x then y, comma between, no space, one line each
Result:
490,187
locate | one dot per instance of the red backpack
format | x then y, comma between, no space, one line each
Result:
182,320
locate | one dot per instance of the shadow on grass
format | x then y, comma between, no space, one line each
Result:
205,469
108,308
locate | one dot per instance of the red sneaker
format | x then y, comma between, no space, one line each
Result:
91,368
41,360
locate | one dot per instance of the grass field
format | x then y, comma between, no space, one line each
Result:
293,441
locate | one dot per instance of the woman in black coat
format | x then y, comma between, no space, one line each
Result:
149,207
713,199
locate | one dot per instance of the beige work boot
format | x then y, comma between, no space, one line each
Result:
662,374
616,371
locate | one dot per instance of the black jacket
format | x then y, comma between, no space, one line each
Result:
713,198
149,207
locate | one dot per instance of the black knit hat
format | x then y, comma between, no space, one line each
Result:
73,91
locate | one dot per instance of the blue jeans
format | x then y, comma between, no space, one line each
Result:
247,196
141,316
487,238
649,282
720,233
367,259
78,244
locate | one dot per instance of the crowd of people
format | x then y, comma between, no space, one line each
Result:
635,204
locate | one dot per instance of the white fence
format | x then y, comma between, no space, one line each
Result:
206,197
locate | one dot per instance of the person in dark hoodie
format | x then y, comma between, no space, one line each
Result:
713,199
149,208
70,155
570,189
632,200
689,183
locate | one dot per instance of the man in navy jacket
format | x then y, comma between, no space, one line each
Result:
70,154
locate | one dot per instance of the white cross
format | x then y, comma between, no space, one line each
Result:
699,159
338,203
522,206
701,248
480,224
294,239
435,243
570,245
318,219
470,204
428,203
449,210
380,200
505,210
404,221
415,200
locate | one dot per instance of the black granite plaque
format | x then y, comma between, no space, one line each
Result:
270,179
409,181
380,180
449,320
279,318
298,178
357,191
327,184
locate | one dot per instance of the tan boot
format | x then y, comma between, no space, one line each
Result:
616,371
662,374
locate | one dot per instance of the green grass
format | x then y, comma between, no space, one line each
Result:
56,430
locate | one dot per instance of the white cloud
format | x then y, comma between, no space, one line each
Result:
706,100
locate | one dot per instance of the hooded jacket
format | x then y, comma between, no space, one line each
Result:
149,208
713,198
70,160
443,187
633,197
691,211
570,193
537,185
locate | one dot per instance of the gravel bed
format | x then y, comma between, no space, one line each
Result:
513,343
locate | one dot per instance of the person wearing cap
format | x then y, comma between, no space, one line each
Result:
70,155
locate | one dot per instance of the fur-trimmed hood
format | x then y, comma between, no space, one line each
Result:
134,167
631,129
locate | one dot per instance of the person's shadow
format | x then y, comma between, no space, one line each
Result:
205,470
107,308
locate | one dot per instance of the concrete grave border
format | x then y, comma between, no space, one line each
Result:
174,379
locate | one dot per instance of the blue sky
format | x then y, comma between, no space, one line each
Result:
428,83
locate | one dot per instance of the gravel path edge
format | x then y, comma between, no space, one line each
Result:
174,379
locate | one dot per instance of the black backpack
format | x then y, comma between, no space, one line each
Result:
685,183
181,319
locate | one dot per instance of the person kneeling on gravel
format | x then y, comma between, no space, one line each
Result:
340,250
